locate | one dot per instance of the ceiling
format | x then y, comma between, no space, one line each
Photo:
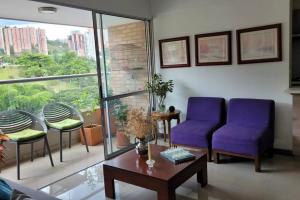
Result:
28,11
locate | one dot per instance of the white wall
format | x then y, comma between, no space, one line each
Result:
136,8
269,80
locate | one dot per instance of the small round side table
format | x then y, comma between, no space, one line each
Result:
165,116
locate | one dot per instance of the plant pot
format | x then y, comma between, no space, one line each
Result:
93,134
122,139
113,124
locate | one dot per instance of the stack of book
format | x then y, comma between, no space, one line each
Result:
177,155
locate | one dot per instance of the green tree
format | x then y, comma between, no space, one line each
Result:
2,52
70,63
31,97
37,65
57,48
9,59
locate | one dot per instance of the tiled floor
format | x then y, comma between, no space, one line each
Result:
228,181
39,173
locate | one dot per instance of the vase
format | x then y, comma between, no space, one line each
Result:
162,108
161,104
141,148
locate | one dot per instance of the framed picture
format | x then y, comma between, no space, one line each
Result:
213,48
175,52
259,44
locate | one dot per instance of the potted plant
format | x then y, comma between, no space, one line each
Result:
93,132
112,120
160,88
140,125
120,114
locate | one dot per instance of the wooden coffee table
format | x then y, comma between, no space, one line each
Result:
164,177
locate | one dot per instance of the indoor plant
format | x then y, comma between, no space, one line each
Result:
160,88
120,113
93,132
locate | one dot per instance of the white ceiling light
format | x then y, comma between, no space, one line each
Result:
47,10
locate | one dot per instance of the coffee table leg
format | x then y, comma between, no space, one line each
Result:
165,132
169,132
109,186
202,176
166,193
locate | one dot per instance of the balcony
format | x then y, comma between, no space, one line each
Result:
39,173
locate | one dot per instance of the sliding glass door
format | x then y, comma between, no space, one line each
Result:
123,54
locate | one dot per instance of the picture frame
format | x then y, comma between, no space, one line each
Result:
213,49
259,44
175,52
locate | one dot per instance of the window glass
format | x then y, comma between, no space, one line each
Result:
125,53
30,49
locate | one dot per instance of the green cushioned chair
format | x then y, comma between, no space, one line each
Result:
66,124
64,119
26,134
23,128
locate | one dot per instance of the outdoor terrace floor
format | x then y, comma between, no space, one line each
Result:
39,173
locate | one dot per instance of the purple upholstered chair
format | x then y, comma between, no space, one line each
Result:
204,116
249,130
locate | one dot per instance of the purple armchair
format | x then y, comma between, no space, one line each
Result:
249,130
204,116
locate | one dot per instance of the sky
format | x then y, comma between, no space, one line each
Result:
53,31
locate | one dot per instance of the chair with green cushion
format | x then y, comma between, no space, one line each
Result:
23,128
65,119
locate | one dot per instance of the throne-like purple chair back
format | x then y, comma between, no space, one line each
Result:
251,112
206,109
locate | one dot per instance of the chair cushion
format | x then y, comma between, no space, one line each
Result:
26,134
245,140
193,133
66,124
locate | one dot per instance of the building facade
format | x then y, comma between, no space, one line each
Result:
14,40
76,42
90,44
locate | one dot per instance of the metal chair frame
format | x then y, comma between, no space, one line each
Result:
63,112
22,121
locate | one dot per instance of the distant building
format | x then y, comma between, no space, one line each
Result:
90,44
42,41
17,40
76,42
2,45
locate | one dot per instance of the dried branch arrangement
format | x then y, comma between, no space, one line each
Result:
139,123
